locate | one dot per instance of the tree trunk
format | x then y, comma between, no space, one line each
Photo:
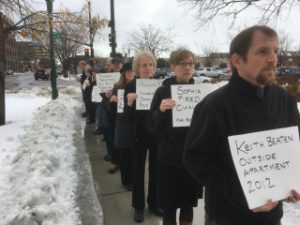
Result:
2,69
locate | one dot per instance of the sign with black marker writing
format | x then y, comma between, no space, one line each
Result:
96,94
187,96
106,81
267,163
120,105
145,90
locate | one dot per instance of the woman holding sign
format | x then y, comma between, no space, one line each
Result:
177,188
122,128
144,64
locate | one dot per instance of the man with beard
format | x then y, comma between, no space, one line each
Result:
250,102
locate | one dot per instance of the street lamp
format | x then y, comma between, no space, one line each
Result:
91,33
52,60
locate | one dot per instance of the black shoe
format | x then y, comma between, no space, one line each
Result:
138,215
90,122
97,132
155,210
113,169
128,187
107,157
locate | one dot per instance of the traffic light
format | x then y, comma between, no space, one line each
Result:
86,52
112,40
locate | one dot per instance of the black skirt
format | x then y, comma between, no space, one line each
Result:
177,188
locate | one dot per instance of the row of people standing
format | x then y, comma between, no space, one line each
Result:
248,103
141,132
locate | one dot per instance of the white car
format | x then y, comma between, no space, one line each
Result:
208,72
200,79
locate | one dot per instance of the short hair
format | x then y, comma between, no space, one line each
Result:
179,55
242,42
83,63
137,58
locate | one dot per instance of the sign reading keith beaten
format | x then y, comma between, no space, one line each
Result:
267,163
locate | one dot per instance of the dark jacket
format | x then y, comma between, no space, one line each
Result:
124,127
172,139
136,117
236,108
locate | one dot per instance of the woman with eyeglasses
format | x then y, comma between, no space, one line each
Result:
144,65
177,188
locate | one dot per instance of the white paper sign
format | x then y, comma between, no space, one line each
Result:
106,81
96,94
145,90
267,163
187,97
120,105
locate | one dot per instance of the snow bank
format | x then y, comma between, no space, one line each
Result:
38,183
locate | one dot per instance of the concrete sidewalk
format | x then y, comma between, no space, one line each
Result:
114,199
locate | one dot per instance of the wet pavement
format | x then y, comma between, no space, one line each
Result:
114,199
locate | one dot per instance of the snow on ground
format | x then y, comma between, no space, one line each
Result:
37,178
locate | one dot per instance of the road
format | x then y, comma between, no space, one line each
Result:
26,80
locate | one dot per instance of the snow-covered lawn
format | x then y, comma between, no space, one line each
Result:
37,178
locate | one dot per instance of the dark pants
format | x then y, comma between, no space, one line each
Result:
169,217
139,154
210,221
108,138
125,161
89,105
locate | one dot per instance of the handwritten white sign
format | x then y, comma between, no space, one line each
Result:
145,90
187,97
120,106
267,163
106,81
96,94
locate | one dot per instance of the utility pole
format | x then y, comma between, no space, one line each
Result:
91,33
52,60
2,69
112,36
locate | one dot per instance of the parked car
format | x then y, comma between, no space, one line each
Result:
59,71
200,79
225,74
9,72
292,70
208,72
42,74
162,73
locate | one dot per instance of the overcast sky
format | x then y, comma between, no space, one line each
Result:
129,14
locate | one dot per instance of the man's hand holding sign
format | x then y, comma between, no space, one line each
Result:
267,164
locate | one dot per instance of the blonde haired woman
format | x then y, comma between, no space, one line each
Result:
144,64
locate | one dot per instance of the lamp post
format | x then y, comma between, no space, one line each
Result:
91,33
52,60
2,69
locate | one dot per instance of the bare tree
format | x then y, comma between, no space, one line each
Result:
72,32
151,38
285,44
209,10
207,51
21,10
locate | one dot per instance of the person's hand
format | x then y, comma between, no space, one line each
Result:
166,104
108,94
293,197
266,207
113,98
131,97
78,78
